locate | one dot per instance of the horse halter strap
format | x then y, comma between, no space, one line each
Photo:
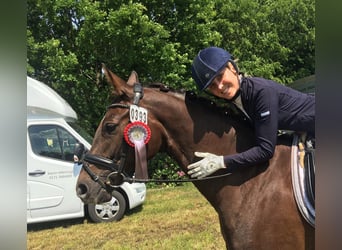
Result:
138,93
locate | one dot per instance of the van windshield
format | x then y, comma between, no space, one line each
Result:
75,125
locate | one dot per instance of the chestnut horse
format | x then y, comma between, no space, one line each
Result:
255,205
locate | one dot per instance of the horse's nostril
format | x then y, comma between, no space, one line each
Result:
81,190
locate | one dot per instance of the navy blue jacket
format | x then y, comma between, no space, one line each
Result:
271,107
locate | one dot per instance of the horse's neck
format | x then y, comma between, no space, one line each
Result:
165,106
189,126
169,111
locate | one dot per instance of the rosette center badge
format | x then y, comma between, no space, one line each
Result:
137,132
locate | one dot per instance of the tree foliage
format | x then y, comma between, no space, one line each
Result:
68,39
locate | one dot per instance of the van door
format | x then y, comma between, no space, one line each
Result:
50,174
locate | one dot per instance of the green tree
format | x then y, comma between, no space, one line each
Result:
265,36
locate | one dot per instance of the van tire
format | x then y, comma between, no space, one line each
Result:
113,210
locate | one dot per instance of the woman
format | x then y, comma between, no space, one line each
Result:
268,105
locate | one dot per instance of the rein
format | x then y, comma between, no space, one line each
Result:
132,180
117,177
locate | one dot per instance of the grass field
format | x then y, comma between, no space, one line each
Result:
171,218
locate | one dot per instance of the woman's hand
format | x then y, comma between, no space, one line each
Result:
208,165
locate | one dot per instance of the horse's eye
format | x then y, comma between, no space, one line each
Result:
110,127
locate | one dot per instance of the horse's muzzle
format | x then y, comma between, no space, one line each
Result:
85,194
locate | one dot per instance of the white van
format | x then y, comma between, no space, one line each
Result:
52,133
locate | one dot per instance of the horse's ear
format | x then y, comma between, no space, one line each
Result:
133,78
120,86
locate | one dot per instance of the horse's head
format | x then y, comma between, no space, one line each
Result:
110,157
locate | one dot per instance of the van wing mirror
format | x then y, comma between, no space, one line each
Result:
79,152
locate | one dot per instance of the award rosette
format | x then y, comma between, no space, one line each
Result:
137,132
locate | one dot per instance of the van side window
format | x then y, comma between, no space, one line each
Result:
52,141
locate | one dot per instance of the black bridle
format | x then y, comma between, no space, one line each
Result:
116,177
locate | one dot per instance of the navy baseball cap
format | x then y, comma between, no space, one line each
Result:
208,64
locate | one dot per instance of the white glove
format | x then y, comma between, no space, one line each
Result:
208,165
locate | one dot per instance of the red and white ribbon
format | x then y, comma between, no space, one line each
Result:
137,134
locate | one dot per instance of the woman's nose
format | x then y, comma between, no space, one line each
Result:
218,84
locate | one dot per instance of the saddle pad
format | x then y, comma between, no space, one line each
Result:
301,193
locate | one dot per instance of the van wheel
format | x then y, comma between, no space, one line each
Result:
112,210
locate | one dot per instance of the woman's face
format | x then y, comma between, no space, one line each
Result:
226,84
